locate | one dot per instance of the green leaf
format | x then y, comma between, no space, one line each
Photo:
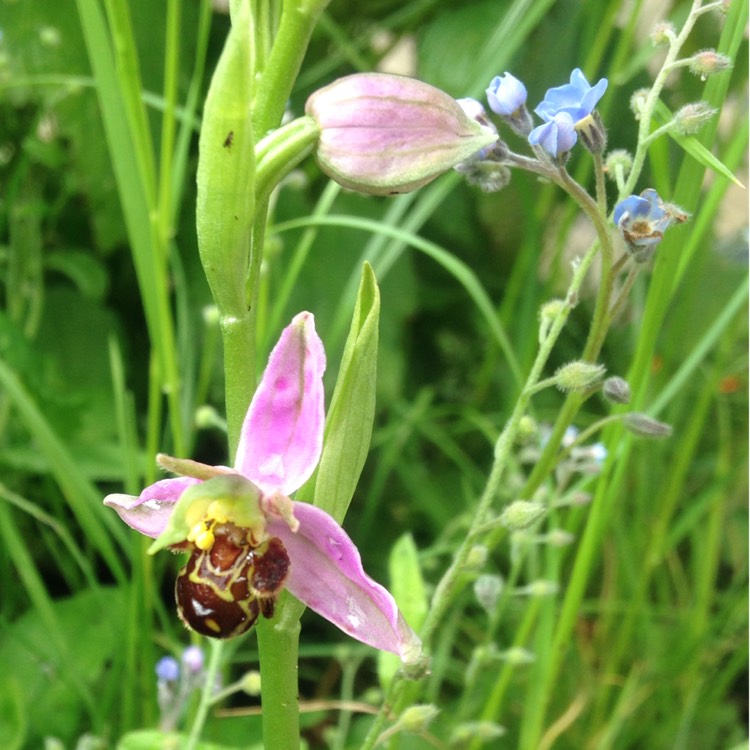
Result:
13,722
693,146
55,691
153,739
408,589
84,270
349,420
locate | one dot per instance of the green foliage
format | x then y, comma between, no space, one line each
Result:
107,351
57,683
350,415
408,588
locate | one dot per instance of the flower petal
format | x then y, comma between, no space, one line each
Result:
557,136
149,512
282,436
506,94
577,98
327,575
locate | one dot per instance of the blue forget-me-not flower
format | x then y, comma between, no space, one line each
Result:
568,111
557,136
578,98
506,96
643,219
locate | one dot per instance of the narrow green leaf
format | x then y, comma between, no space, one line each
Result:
693,146
153,739
98,525
350,416
13,721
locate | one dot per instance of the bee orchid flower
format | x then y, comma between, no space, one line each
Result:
246,538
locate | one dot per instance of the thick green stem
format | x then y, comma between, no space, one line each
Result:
238,336
278,645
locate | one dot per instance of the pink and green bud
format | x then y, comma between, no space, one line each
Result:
383,134
708,62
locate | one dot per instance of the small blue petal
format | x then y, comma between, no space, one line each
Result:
167,669
642,218
506,94
598,452
557,136
571,433
473,109
577,98
633,206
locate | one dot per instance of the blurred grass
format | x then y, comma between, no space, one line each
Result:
645,644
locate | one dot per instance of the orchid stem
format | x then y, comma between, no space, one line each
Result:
278,645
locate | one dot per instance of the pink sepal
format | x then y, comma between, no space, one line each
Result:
327,575
149,512
282,435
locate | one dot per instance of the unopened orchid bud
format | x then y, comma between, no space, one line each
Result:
383,134
578,376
